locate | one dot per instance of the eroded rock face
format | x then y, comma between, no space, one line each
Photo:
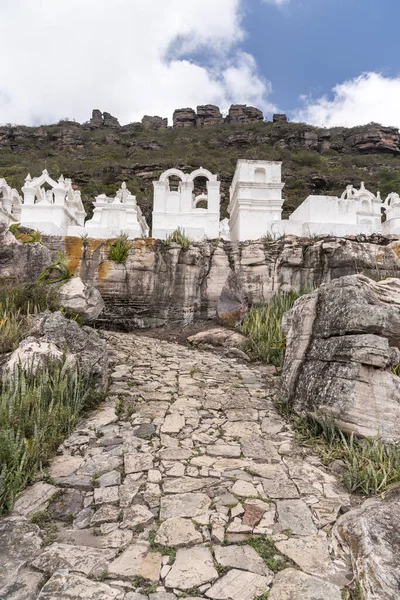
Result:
19,262
342,341
372,535
161,285
154,123
208,114
80,299
241,113
184,117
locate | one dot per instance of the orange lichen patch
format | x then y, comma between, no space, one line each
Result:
94,244
103,269
73,252
27,238
144,243
395,246
379,257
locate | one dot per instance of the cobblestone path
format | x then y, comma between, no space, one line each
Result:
185,484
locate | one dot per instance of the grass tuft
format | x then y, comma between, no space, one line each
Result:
118,250
178,237
263,327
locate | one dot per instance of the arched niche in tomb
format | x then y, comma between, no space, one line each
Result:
260,175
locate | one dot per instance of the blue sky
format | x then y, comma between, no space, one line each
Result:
325,62
307,47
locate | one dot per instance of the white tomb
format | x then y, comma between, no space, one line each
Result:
255,199
10,204
355,212
173,208
53,210
113,216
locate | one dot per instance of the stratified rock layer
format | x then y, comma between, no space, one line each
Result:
342,342
160,284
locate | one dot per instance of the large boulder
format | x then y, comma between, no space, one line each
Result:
342,342
371,535
232,303
19,262
80,299
53,336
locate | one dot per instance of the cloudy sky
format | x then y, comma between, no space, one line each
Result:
326,62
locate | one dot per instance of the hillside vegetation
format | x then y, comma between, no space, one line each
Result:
97,160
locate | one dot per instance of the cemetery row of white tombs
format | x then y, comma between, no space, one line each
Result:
255,208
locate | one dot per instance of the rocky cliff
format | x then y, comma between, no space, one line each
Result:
161,284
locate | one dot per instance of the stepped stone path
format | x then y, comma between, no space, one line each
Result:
186,483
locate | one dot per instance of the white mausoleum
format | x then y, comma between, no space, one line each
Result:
113,216
177,206
255,199
51,206
10,204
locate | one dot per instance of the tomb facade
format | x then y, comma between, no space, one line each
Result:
113,216
51,206
177,204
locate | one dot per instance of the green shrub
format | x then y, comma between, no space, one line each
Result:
263,327
369,465
36,413
178,237
118,250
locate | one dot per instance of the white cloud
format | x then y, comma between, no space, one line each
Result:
277,2
62,58
369,97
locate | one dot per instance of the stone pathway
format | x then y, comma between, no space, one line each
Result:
185,484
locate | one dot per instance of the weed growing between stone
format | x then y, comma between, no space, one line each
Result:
118,250
263,327
369,466
178,237
37,411
265,547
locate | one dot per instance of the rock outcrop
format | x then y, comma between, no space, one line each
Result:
105,119
371,534
342,341
241,113
159,284
80,299
20,263
279,118
53,336
154,123
184,117
208,114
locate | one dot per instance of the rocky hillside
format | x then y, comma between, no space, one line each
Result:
98,154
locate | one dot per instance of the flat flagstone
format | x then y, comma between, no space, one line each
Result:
244,558
34,499
226,450
184,505
135,515
291,584
310,553
82,559
192,568
68,586
136,561
239,585
106,495
178,532
295,516
244,488
173,423
186,484
135,463
65,465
